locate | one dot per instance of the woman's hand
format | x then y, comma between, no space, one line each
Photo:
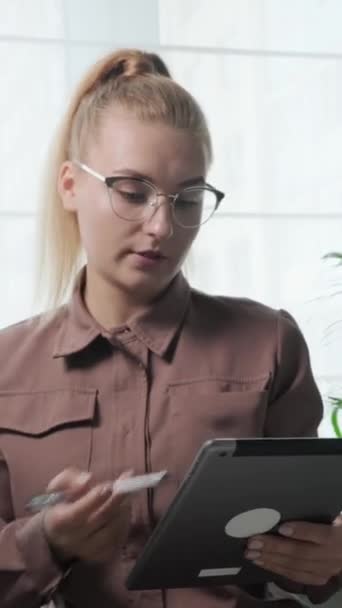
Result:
310,554
92,525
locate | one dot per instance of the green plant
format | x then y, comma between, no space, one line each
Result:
335,256
336,402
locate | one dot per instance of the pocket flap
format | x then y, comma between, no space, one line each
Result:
38,413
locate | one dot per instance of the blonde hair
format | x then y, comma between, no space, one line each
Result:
135,80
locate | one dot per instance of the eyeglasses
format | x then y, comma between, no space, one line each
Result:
135,199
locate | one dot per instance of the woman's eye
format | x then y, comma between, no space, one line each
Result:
185,202
134,197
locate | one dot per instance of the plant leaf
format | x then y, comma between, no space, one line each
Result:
336,401
334,255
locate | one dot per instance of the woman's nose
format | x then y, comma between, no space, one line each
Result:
160,222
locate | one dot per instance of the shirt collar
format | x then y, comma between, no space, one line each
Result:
156,326
159,324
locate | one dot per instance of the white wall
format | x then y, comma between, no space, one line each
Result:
269,76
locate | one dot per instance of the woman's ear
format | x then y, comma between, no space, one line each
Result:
66,186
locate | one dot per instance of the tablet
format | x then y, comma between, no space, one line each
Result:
236,489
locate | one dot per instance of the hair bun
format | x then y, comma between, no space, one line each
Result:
131,63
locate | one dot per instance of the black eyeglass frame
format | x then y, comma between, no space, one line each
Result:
111,180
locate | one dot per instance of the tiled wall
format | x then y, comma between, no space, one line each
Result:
44,47
269,76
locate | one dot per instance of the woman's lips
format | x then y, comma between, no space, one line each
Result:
150,253
148,259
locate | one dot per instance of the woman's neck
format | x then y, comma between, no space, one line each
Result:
107,303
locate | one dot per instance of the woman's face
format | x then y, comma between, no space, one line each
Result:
116,248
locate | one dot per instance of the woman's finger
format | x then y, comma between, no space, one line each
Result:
320,534
108,511
107,541
325,567
292,548
72,482
66,524
298,576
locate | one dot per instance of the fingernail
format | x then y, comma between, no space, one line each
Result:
255,544
83,478
253,555
106,491
286,530
126,474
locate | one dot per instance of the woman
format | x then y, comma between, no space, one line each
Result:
121,377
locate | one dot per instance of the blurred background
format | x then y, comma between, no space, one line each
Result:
268,74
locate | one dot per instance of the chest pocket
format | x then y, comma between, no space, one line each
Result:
43,433
200,416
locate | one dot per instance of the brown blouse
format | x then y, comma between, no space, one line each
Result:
143,397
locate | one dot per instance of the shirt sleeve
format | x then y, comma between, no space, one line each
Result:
28,572
295,410
295,406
